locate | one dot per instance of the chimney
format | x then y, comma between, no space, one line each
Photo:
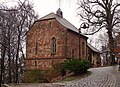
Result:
59,13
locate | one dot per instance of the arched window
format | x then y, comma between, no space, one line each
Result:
83,49
53,45
35,63
36,48
73,53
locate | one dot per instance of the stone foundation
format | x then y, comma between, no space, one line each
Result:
42,64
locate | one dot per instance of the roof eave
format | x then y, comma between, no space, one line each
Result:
77,33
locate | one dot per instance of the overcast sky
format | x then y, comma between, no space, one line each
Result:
44,7
69,8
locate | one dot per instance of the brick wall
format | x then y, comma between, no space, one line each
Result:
73,45
93,57
41,33
42,64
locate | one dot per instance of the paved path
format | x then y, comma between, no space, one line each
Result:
100,77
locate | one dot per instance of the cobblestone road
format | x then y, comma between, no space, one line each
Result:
100,77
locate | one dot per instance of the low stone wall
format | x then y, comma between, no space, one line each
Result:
42,64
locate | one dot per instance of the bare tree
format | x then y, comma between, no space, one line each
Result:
101,14
14,24
25,17
3,44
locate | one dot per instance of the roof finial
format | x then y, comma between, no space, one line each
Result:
59,11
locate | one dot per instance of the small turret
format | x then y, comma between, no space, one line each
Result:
59,13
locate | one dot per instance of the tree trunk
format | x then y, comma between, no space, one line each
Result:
17,55
9,65
2,64
111,46
13,70
9,58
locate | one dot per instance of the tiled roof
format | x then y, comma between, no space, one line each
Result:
93,48
62,21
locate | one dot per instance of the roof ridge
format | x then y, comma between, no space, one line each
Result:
62,21
93,48
46,15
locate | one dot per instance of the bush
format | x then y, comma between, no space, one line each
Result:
54,71
76,66
34,76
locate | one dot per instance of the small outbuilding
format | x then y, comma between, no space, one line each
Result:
93,56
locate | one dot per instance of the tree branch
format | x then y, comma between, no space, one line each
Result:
94,31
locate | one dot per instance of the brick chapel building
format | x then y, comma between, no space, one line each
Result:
52,39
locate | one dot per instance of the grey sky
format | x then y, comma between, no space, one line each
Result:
44,7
